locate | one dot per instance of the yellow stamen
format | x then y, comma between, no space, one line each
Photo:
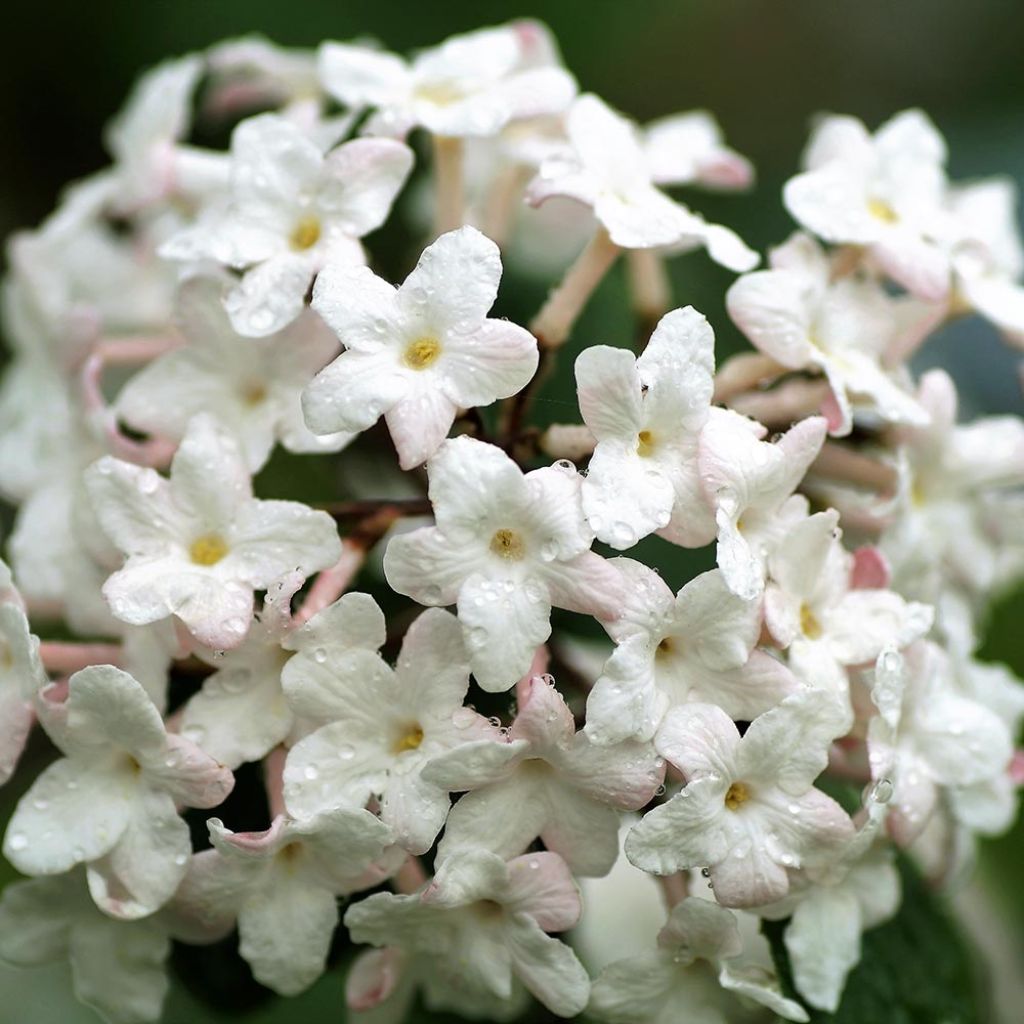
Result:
667,646
508,544
645,443
305,234
809,623
409,740
422,353
254,394
881,210
208,549
737,796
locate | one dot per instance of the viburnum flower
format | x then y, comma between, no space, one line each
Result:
748,811
383,725
507,546
751,483
110,802
698,645
988,256
290,211
885,192
812,608
605,168
470,85
281,887
419,353
929,736
646,413
689,149
796,314
700,958
547,781
254,384
22,675
117,967
487,919
199,544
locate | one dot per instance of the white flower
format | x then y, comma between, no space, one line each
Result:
117,967
547,781
382,725
646,413
751,483
749,811
470,85
507,546
698,645
419,353
605,168
485,921
701,956
689,149
281,886
797,315
110,802
199,544
290,211
252,384
884,191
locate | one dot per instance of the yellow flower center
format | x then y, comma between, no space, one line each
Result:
208,549
882,211
667,647
421,353
809,623
305,234
410,739
737,796
508,544
254,394
645,443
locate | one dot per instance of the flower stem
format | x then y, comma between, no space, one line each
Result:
449,184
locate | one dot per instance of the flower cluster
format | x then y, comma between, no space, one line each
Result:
760,744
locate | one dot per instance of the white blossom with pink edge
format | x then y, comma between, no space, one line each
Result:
689,149
289,212
486,921
419,353
111,802
199,544
698,645
546,780
117,967
700,965
886,192
605,167
254,383
507,547
280,887
748,811
470,85
646,413
382,725
797,314
750,483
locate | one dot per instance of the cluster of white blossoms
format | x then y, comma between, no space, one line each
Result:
761,744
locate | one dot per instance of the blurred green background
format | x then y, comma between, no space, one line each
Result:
764,67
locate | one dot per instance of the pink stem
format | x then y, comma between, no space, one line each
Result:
273,780
410,877
332,583
65,658
743,372
674,888
783,405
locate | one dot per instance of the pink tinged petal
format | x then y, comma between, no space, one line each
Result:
702,929
473,875
626,702
270,538
418,423
871,570
541,885
358,306
189,774
207,902
700,740
345,848
961,741
689,831
915,798
209,475
72,814
270,295
454,283
608,387
426,566
582,831
548,968
475,764
587,583
16,718
361,180
646,601
362,77
503,625
748,876
823,942
626,775
285,932
921,266
495,360
745,692
543,719
374,977
773,309
118,968
146,866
